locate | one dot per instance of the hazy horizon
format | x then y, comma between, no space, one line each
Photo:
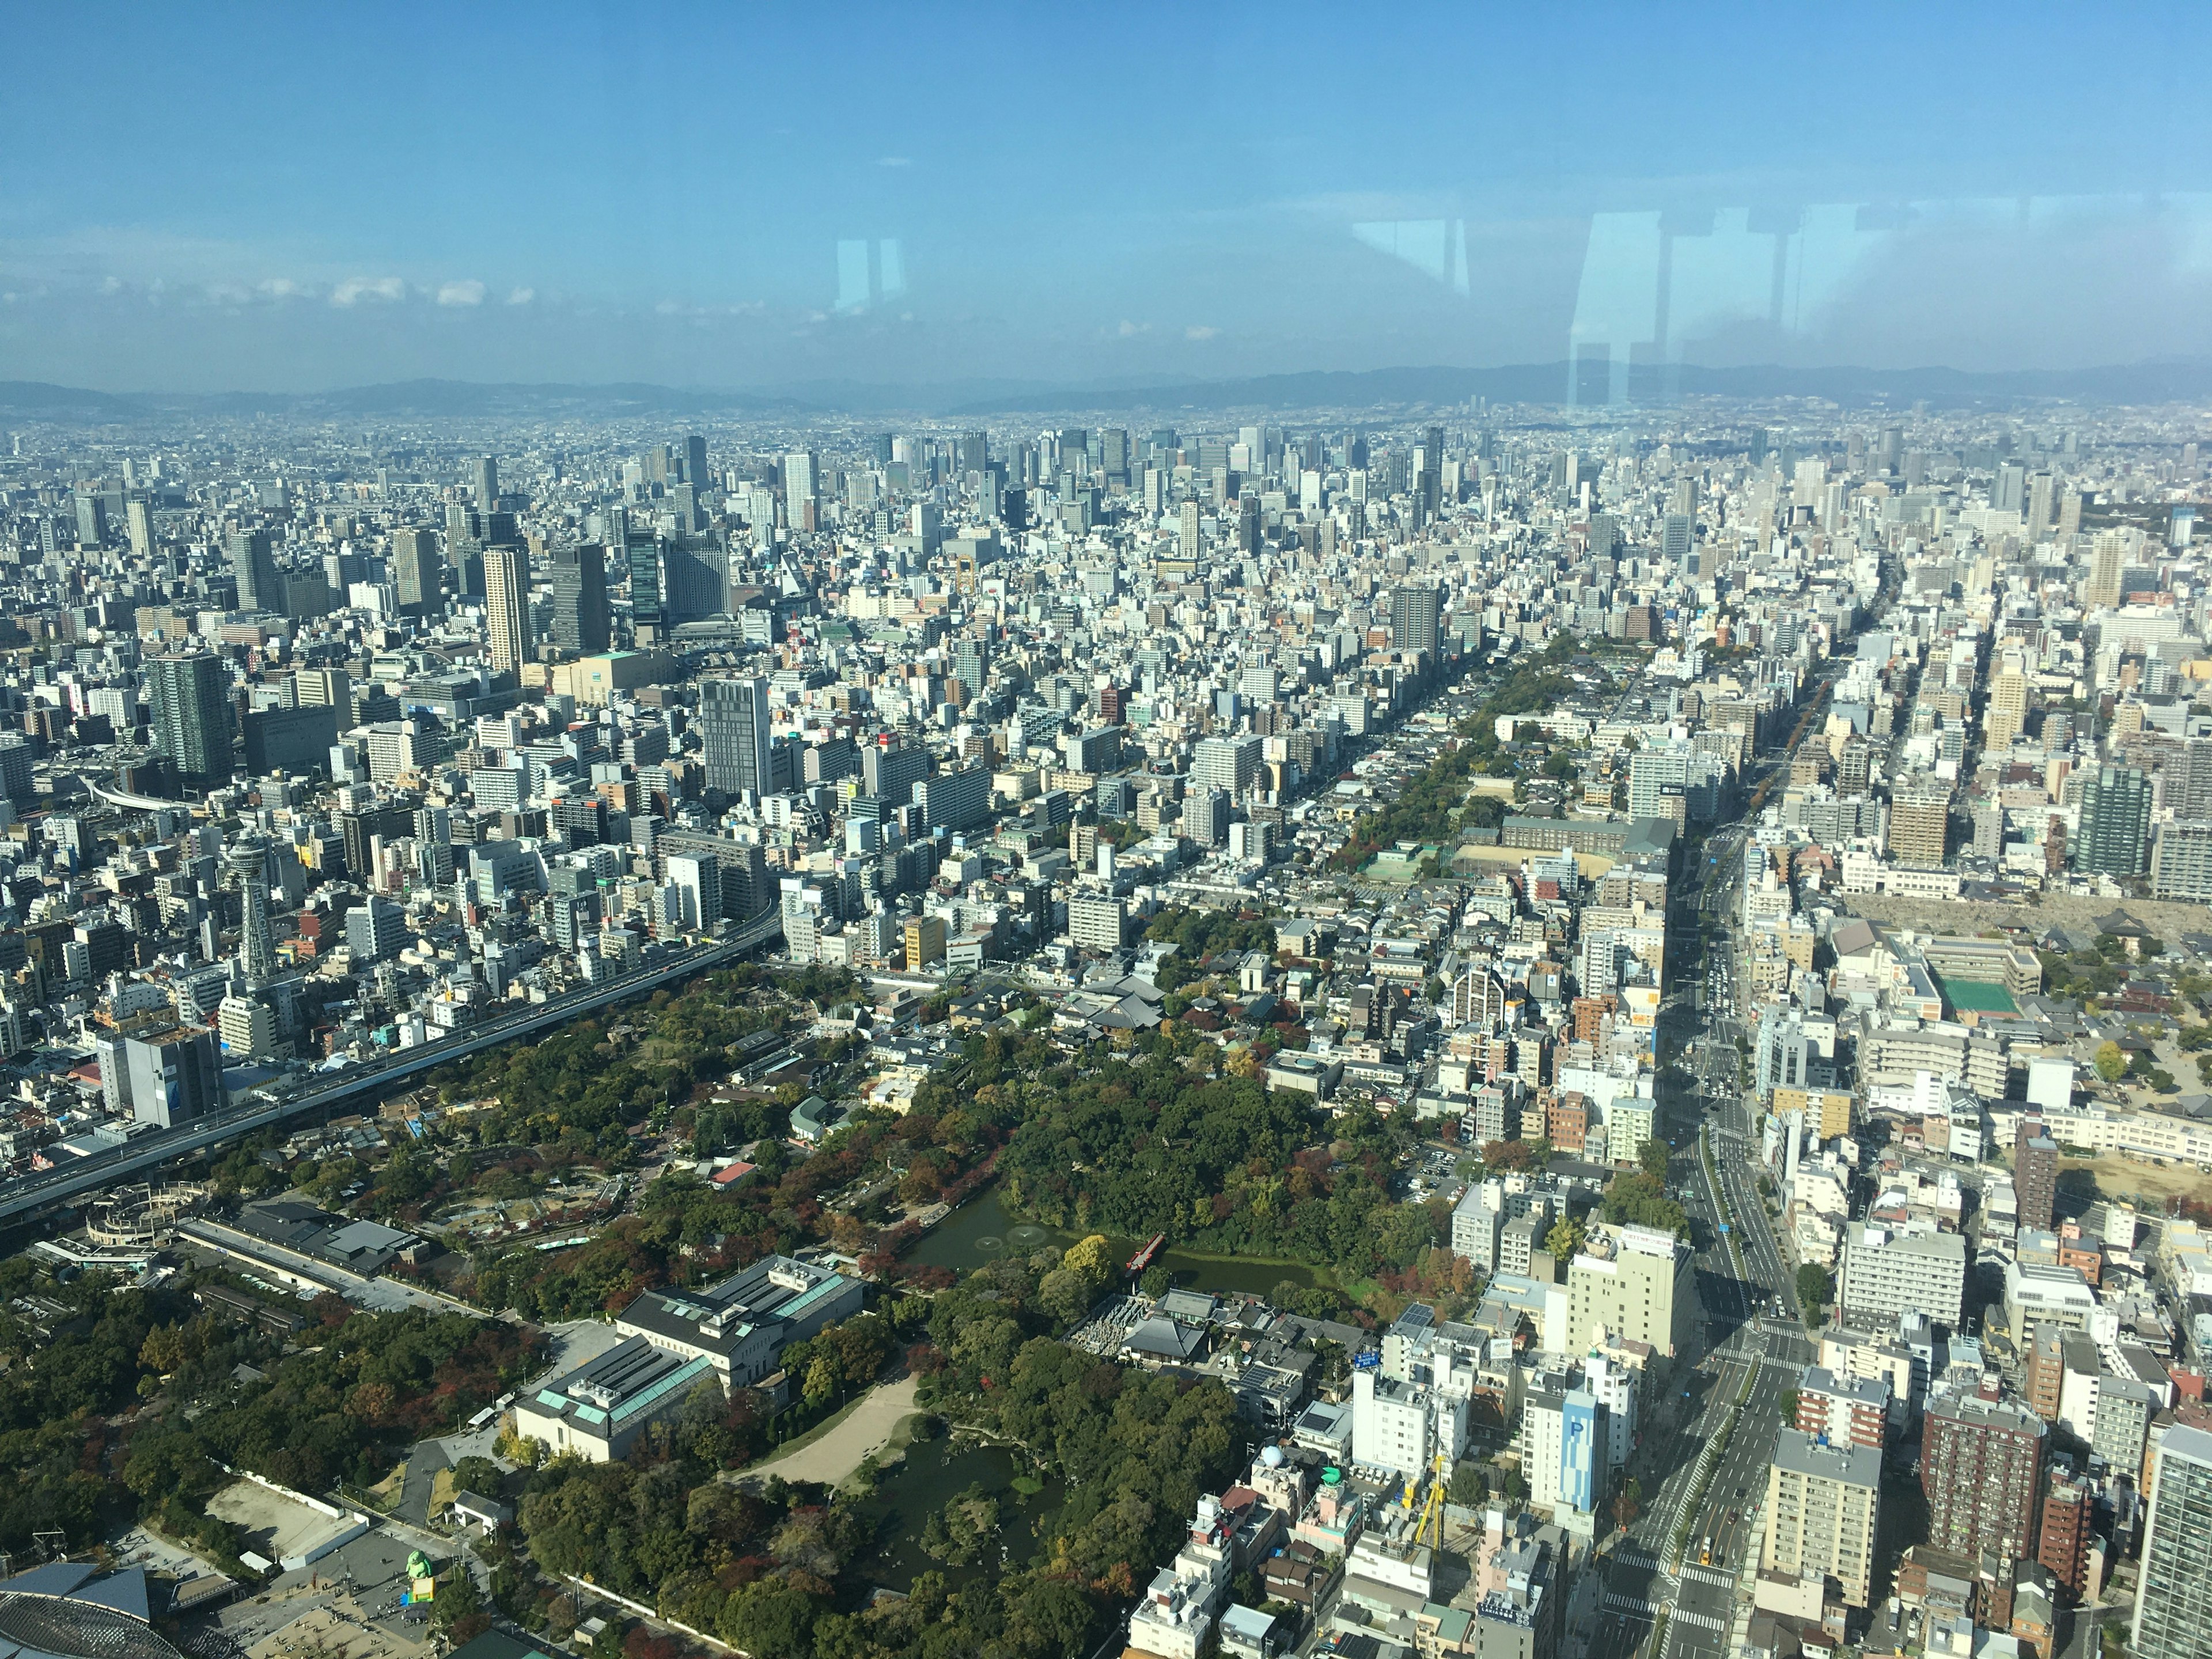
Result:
276,201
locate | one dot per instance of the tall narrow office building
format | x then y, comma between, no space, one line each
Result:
487,483
417,569
580,599
255,566
507,604
191,717
733,719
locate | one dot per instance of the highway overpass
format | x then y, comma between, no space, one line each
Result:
29,1194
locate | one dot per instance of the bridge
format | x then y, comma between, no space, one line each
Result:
30,1194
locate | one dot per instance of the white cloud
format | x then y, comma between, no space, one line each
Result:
111,285
1130,328
893,161
470,293
1200,331
354,289
521,296
281,287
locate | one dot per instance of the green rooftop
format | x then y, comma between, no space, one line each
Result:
1971,996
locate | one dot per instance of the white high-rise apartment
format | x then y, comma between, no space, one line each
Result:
2173,1601
507,606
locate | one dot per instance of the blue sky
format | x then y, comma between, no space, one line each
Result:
296,197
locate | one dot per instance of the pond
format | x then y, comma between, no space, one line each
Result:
981,1230
928,1484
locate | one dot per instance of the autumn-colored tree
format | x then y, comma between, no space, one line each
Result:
2110,1062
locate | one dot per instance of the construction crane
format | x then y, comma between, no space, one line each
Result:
1432,1507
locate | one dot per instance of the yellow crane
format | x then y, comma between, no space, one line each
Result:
1432,1506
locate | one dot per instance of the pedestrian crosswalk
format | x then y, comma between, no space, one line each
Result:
1633,1606
1707,1576
1696,1620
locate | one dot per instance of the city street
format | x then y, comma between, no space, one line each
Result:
1751,1346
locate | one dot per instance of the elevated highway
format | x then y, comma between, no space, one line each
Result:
29,1195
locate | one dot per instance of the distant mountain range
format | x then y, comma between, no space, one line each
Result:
2178,381
2171,380
433,398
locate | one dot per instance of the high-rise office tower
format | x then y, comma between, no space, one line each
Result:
733,720
255,566
191,717
2115,833
507,606
695,461
1190,530
487,483
2173,1599
417,569
642,559
1414,612
140,520
2041,487
580,599
166,1077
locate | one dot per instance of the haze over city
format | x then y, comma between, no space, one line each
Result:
268,198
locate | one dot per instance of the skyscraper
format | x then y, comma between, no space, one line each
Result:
580,599
733,720
2173,1601
507,603
1189,532
642,559
802,488
695,461
2115,823
417,569
2035,1173
487,483
191,717
2108,561
1414,612
255,566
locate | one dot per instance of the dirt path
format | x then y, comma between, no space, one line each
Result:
832,1458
